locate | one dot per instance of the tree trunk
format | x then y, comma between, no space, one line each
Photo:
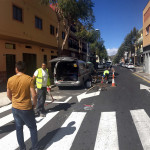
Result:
66,38
58,41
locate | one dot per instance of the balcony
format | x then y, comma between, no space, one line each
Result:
140,40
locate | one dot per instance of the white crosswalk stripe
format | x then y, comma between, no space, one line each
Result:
107,137
6,119
12,144
66,101
142,123
5,108
67,132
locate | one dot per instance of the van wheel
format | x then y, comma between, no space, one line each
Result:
88,84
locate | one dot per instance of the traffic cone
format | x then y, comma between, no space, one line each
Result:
113,80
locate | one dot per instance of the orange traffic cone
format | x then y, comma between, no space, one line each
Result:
113,80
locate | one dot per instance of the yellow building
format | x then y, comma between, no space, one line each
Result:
146,38
27,32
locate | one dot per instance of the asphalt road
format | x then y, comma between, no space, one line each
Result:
113,119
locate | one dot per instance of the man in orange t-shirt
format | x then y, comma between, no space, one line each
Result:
19,88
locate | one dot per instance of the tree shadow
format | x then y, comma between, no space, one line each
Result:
59,107
56,135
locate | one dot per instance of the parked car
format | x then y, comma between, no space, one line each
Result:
123,65
69,71
108,65
130,66
100,66
126,65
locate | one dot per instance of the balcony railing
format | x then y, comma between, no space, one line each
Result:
140,40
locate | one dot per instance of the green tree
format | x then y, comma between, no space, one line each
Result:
127,45
70,12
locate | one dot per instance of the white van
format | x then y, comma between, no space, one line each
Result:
69,71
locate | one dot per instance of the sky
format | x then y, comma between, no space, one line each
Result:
116,18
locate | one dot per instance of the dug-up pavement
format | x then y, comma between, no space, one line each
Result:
5,101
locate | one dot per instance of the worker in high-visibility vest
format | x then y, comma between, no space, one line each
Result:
105,75
41,76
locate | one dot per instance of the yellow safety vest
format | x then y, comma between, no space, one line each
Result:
106,72
39,79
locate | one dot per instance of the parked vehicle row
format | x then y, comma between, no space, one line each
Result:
128,65
104,65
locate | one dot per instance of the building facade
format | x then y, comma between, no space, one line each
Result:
28,33
146,38
139,49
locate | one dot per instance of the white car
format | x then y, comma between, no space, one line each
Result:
130,66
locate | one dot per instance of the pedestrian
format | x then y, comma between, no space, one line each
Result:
41,76
20,87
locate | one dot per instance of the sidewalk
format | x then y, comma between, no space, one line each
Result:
4,99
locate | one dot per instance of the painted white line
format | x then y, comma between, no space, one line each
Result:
142,123
64,138
6,119
13,144
66,101
84,95
5,108
144,87
107,137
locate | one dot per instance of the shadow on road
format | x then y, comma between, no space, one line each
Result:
59,107
50,136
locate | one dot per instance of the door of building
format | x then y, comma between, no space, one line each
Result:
10,65
30,60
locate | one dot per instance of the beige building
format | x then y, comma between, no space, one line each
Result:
28,33
146,38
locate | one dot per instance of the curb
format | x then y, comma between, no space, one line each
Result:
4,100
144,78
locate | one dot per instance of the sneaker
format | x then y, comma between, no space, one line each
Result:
42,115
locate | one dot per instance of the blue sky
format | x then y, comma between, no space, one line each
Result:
116,18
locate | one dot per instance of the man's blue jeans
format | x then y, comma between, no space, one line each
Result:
26,117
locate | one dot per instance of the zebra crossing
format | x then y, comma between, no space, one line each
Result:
106,137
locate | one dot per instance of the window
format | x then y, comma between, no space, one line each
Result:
45,59
10,46
27,46
17,13
63,35
38,23
52,30
147,29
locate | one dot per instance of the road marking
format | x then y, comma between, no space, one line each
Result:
66,101
141,78
107,137
144,87
64,138
5,108
6,119
142,123
84,95
11,137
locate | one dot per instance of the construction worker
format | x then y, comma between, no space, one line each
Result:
42,82
105,75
